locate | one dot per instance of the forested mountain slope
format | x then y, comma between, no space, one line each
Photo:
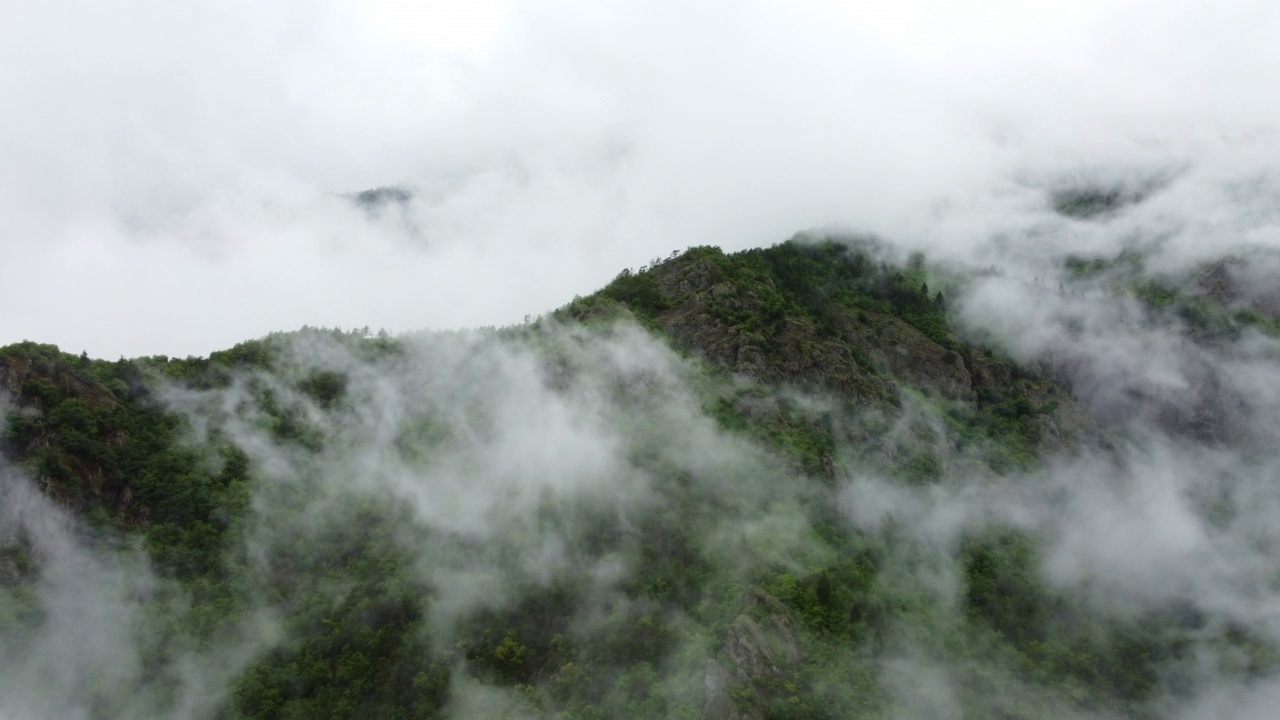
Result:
782,483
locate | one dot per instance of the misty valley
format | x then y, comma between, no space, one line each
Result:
824,479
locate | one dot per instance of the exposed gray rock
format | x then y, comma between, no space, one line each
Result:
719,705
750,650
911,356
753,653
10,574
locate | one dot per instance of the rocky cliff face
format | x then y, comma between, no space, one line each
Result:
755,659
866,333
41,381
704,307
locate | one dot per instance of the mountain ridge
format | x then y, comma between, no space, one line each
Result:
686,462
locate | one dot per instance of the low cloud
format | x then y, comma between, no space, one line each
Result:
176,183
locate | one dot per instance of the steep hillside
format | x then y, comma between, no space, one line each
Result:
771,484
830,318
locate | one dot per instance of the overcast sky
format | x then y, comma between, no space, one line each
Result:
171,174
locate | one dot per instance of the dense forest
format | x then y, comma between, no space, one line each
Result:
803,481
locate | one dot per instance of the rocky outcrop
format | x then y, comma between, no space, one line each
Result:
10,573
1217,282
19,374
860,354
910,355
754,656
39,381
1237,282
726,323
719,705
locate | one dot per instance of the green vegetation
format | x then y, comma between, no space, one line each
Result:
1203,316
638,291
1082,267
365,653
819,282
1090,202
1201,303
100,441
425,538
